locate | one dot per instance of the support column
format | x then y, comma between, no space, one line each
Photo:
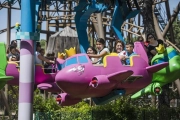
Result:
47,27
139,23
139,19
57,25
26,83
156,26
129,34
171,20
95,26
169,17
8,26
100,26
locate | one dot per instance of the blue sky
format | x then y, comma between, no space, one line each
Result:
16,18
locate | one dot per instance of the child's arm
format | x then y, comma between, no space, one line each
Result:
153,52
44,59
122,57
95,61
11,58
103,53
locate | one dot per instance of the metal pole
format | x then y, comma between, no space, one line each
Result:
129,26
57,25
8,26
171,20
100,26
95,26
139,22
169,17
8,43
47,26
157,29
26,84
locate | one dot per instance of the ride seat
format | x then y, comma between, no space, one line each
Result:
40,67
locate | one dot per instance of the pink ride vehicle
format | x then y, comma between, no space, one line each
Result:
79,78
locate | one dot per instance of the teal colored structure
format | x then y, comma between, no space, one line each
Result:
164,76
3,77
122,12
111,96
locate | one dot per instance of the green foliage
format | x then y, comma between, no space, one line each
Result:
49,110
42,105
81,111
120,109
13,98
43,43
176,29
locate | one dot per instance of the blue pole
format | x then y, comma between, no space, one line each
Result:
26,82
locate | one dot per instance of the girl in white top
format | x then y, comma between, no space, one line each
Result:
40,57
102,51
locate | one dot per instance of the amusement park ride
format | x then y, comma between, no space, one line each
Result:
108,81
75,79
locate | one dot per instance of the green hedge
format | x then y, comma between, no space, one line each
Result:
121,109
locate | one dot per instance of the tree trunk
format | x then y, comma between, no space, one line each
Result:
148,25
148,17
171,20
163,98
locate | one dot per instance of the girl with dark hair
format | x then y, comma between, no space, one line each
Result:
13,55
101,51
140,39
92,50
153,43
38,46
14,43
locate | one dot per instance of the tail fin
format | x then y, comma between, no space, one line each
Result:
153,88
3,64
157,67
140,49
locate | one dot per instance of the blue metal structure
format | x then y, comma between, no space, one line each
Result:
122,12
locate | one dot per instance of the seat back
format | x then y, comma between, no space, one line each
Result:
140,49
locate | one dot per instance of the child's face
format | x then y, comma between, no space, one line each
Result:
38,48
13,51
15,43
99,46
119,47
42,52
129,48
90,51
